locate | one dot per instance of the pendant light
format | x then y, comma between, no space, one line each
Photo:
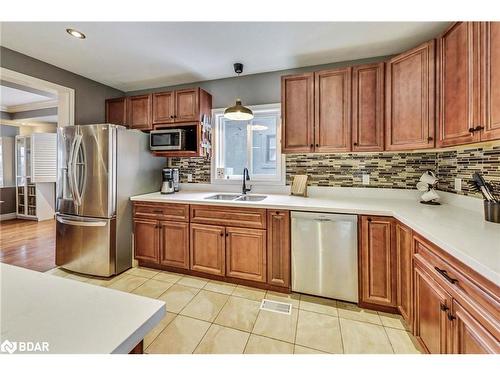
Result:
238,112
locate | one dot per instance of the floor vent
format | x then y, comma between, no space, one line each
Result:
274,306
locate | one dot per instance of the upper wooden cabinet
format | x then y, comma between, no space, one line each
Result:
469,83
368,107
410,97
332,110
278,248
180,106
458,74
377,261
297,113
116,111
490,43
139,112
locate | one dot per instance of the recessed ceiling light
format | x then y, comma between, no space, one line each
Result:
75,33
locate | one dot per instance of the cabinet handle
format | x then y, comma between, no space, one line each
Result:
443,307
451,317
446,276
478,128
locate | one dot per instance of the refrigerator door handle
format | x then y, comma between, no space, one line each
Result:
72,176
81,223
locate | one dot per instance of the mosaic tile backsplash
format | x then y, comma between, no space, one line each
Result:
387,170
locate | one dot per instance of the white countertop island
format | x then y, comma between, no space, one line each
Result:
461,232
71,316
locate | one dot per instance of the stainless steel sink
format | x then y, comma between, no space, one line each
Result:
252,198
223,197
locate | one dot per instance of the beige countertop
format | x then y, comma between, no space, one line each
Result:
463,233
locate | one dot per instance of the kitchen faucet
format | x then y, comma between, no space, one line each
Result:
246,177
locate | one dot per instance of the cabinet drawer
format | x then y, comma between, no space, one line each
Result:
230,216
464,284
162,211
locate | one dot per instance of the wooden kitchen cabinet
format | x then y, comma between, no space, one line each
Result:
404,265
246,254
468,335
409,117
377,262
490,78
459,84
186,105
163,107
297,113
278,248
368,107
174,244
432,306
116,111
332,110
207,249
139,112
146,240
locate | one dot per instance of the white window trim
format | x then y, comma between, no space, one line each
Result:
256,180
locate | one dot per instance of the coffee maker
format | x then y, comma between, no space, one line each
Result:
170,180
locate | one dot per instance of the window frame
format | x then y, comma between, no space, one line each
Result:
218,152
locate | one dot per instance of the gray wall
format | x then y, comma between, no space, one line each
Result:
8,194
254,89
89,95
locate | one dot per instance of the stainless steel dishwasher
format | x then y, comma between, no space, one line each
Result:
325,255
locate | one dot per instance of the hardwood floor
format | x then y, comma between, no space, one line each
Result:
28,244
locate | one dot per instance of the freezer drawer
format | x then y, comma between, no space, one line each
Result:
325,255
85,245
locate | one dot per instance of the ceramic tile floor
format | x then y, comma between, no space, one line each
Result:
206,316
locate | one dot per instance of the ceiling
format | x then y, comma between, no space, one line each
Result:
11,97
136,55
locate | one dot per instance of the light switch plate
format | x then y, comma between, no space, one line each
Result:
366,179
458,184
190,177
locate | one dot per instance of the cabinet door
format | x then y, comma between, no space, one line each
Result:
186,105
404,253
139,112
278,248
207,249
409,118
432,305
332,116
490,41
246,254
458,85
368,107
146,240
378,263
174,244
469,336
116,111
163,107
297,113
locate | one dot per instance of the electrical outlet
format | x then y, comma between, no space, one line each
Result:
190,177
220,173
366,179
458,184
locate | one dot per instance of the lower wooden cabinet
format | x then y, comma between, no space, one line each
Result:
278,248
468,335
404,254
246,253
174,244
432,306
146,240
377,261
207,249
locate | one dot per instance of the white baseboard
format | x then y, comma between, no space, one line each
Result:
9,216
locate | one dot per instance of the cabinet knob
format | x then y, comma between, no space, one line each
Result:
472,130
369,219
443,307
355,143
222,234
317,144
479,128
171,116
312,145
429,139
451,317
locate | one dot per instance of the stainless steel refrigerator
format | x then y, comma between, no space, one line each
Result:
99,168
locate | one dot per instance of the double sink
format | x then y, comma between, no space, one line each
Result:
237,197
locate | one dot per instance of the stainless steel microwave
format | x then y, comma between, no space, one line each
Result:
167,140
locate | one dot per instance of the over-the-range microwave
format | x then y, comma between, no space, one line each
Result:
167,140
